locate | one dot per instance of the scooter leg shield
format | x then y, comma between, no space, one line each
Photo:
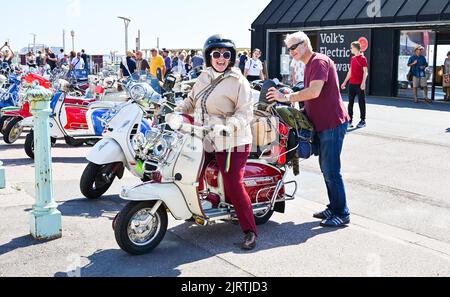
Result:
106,151
168,193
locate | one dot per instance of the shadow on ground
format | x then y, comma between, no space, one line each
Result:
28,161
188,244
405,103
107,207
18,243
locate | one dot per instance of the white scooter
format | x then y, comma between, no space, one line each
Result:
117,150
178,160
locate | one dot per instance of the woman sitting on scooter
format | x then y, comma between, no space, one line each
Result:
222,97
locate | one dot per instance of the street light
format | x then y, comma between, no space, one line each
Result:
126,21
72,33
34,42
64,39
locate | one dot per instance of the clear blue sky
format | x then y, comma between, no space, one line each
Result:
178,23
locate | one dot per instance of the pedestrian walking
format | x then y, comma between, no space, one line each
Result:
298,72
141,63
8,53
418,64
242,61
157,65
446,70
50,58
130,67
167,60
357,76
77,63
254,69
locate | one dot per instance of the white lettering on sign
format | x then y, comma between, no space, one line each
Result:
332,38
334,46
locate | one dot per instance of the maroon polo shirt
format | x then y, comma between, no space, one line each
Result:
328,110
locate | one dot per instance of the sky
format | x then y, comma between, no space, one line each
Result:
178,24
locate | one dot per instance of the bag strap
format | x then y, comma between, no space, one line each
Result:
205,93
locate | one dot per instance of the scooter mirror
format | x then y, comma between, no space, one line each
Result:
265,89
174,120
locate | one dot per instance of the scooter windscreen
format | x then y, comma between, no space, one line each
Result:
145,76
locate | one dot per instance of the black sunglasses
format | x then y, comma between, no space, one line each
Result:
226,55
295,46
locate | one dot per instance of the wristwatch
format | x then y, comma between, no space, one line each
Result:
288,98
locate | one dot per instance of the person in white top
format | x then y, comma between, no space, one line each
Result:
77,62
180,67
298,72
254,69
61,55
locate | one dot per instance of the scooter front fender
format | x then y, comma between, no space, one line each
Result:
168,193
106,151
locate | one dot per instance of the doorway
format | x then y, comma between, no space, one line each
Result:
442,49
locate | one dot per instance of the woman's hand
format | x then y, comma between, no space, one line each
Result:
276,96
222,131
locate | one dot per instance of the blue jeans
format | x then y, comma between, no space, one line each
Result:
330,147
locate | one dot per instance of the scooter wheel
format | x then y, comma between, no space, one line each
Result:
140,240
29,145
92,184
12,131
3,120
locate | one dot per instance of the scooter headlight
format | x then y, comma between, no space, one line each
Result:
138,92
138,142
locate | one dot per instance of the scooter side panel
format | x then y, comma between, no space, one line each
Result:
106,151
168,193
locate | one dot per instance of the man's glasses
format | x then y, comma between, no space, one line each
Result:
295,46
226,55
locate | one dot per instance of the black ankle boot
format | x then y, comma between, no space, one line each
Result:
249,241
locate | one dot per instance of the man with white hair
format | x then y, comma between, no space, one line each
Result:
325,108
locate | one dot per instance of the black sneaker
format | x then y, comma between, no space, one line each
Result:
362,124
350,124
326,214
336,222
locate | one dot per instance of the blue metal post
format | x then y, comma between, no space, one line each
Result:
45,219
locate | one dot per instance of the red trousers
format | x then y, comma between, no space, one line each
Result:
234,184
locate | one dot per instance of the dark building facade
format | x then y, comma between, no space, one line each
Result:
389,30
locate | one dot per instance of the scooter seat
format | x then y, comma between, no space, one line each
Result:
102,104
78,101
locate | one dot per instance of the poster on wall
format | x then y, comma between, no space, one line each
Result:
337,46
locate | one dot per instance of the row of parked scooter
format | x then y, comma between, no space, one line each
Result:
142,134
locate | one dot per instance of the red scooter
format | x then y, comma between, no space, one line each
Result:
14,119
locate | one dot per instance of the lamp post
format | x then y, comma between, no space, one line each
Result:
45,219
64,39
127,22
34,42
72,33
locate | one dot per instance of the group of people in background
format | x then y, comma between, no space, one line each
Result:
182,62
162,62
77,61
